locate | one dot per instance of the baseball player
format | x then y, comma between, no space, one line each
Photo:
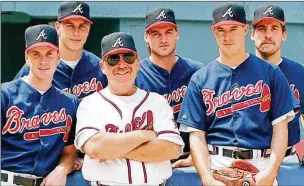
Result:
37,119
78,71
233,107
163,71
268,33
128,135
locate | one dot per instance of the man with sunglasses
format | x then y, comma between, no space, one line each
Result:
128,135
233,107
268,33
37,119
78,71
163,71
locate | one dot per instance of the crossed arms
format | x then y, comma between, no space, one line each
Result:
141,145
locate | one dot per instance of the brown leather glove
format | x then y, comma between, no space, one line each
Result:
239,173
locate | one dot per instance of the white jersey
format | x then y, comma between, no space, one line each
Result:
105,112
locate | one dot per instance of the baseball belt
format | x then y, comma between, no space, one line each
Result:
99,184
19,180
246,154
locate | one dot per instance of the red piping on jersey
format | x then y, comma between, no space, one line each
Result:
114,105
166,132
87,128
137,107
145,172
134,111
129,171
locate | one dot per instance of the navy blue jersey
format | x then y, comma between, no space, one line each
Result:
172,86
236,107
294,72
34,127
84,80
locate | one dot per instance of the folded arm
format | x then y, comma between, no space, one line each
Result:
105,145
157,150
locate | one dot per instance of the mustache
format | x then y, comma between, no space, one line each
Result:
268,41
123,69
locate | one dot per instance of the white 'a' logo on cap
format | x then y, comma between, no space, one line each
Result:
269,10
161,14
228,12
79,8
42,34
118,42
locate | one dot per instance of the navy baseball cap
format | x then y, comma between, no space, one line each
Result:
41,35
159,16
229,14
269,12
117,42
70,10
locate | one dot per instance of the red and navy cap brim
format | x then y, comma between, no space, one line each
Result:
76,17
42,44
254,22
160,23
228,22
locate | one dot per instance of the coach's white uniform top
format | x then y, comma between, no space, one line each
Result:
105,112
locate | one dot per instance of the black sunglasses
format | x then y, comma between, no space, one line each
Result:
129,58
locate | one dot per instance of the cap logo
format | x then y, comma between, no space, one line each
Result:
269,10
79,8
228,12
161,14
42,34
118,42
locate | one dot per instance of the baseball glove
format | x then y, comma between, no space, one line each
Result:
239,173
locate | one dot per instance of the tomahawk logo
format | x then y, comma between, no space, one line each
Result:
161,14
79,8
228,12
269,10
42,34
118,42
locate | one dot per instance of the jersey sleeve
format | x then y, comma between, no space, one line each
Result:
282,99
193,110
164,123
24,71
301,93
3,108
89,122
73,128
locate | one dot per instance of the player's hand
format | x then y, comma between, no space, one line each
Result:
209,180
78,163
266,177
57,177
183,162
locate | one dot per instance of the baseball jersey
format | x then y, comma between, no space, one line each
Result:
34,127
237,107
172,86
294,72
82,81
105,112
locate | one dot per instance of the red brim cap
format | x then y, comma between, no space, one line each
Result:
267,18
42,44
161,23
227,22
117,51
76,17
